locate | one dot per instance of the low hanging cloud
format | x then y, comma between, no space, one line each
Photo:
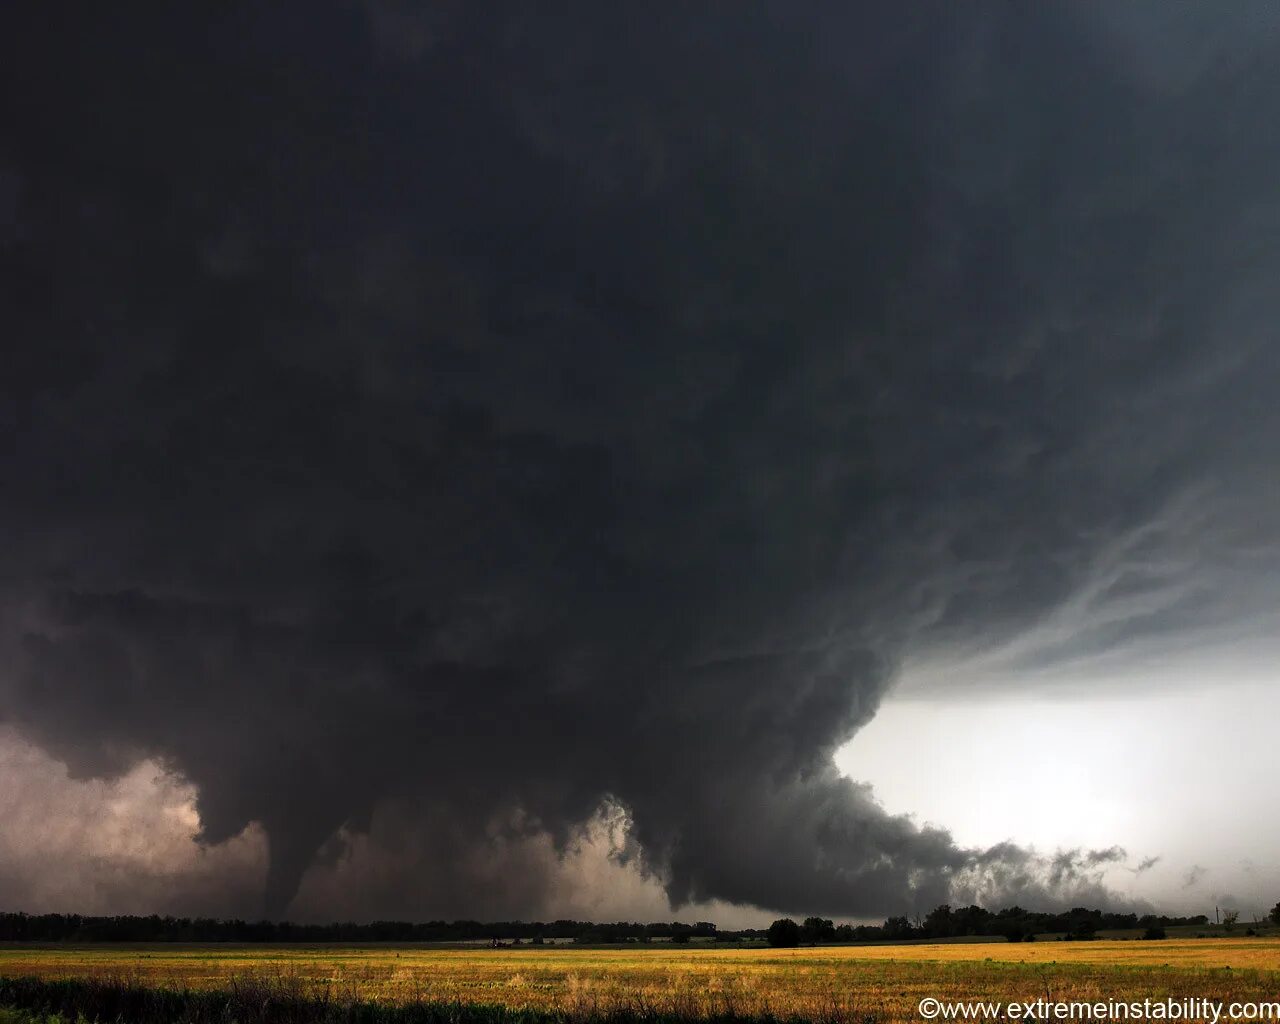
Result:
425,441
99,846
1146,864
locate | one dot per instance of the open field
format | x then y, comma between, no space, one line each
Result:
884,983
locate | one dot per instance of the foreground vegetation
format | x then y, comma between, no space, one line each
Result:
253,1001
160,984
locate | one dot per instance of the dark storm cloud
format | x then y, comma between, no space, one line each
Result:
1146,864
493,412
1012,875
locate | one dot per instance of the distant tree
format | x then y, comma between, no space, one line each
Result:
818,929
940,923
972,920
1155,932
1275,914
681,937
1081,930
897,928
1229,919
784,932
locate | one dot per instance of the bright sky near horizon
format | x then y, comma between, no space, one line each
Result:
1187,776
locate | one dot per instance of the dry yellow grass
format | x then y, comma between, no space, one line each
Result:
845,983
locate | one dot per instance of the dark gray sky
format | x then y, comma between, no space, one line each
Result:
487,459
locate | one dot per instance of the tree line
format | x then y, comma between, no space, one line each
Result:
1013,923
19,927
945,922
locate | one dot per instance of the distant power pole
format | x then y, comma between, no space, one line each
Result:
1215,916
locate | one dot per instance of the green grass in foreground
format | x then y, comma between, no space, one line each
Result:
168,984
279,1001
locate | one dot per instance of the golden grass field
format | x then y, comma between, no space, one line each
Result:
846,983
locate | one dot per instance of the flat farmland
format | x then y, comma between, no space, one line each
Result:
880,983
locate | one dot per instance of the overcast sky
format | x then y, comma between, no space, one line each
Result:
577,460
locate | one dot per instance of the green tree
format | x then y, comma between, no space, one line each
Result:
818,929
897,928
784,932
940,922
1275,914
